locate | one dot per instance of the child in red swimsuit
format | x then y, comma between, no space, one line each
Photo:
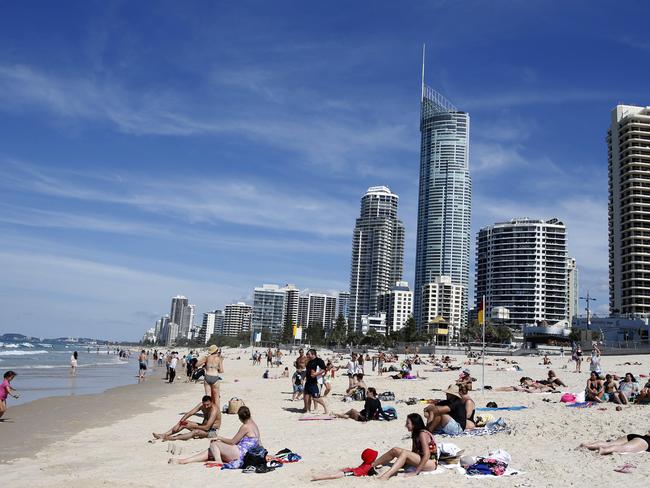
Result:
368,457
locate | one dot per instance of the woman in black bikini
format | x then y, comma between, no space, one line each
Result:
595,389
423,454
631,443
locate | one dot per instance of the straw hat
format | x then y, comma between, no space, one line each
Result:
212,349
453,390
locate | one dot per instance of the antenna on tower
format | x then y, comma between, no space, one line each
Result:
424,47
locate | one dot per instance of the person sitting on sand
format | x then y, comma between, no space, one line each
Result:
368,456
448,416
628,444
357,384
644,395
611,389
470,407
628,389
6,390
229,452
595,390
423,454
527,385
207,428
372,409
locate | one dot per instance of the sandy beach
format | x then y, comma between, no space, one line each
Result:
101,440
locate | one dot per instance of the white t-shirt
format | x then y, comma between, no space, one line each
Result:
352,367
173,363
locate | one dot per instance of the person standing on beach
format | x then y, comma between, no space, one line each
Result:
73,363
142,360
168,361
213,364
172,367
6,390
315,368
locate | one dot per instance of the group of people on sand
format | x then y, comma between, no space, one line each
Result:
606,389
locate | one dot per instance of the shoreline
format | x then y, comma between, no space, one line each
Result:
44,421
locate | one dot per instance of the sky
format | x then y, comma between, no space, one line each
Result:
149,149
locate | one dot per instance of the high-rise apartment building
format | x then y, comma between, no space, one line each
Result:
212,324
445,197
572,289
317,308
292,300
237,319
442,302
628,141
269,307
522,265
187,322
343,305
398,305
179,303
377,252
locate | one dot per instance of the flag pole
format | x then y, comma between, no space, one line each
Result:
483,355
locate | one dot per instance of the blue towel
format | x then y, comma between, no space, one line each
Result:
494,409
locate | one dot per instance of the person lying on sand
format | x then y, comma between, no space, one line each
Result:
630,443
552,379
207,428
230,452
368,456
372,409
423,454
527,385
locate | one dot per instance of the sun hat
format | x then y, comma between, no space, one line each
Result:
453,390
212,349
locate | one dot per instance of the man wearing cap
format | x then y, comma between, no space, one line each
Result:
448,416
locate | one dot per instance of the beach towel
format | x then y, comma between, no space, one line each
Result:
479,432
494,409
317,417
580,404
508,472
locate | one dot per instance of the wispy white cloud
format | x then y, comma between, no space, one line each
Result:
342,143
256,204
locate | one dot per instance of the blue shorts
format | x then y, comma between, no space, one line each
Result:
452,428
312,390
297,388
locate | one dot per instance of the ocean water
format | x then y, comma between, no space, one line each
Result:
43,370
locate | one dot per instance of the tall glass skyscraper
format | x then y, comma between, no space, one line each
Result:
445,198
377,253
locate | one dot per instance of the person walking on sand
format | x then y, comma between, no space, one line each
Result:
6,390
142,360
172,366
73,363
315,369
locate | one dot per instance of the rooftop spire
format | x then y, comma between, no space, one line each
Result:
424,47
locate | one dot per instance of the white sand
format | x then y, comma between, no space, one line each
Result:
541,444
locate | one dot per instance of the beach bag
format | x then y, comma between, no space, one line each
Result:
255,457
387,396
390,412
568,398
234,405
197,374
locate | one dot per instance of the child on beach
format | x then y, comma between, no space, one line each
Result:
368,456
6,390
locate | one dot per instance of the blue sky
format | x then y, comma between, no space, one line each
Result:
202,148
